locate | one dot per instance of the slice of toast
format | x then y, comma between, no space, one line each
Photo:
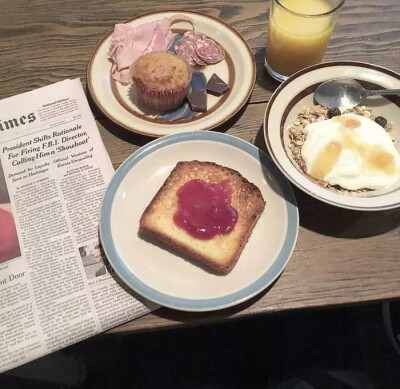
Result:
222,251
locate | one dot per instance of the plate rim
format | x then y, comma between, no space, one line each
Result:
267,111
177,11
210,304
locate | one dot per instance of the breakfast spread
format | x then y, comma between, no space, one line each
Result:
128,43
158,63
205,211
162,80
345,150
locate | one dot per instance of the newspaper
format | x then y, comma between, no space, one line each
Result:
56,287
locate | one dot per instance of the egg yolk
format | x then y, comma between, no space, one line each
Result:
347,122
381,160
326,160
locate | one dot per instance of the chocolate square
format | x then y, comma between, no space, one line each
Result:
197,100
216,86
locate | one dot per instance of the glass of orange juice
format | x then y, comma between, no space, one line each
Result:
298,34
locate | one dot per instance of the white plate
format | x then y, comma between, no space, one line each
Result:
298,91
237,69
168,279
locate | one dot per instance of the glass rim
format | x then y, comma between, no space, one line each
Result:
333,10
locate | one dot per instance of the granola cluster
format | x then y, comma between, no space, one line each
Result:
317,113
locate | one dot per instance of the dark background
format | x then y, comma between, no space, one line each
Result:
327,348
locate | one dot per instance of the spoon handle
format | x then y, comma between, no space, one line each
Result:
382,92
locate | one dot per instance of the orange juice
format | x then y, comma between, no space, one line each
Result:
298,33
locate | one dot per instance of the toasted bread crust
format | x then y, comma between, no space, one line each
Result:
222,252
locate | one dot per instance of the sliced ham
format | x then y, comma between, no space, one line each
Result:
161,38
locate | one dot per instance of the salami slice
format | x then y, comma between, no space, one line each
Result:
194,36
187,49
197,59
178,44
209,51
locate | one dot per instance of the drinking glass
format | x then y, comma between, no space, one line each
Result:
298,34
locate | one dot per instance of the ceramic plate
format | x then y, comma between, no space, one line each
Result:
169,279
119,102
298,91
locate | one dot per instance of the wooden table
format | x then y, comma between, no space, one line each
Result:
341,257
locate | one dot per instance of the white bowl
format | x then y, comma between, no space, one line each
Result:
298,91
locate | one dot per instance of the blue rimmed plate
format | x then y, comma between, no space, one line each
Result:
168,279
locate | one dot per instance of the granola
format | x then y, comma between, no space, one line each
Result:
317,113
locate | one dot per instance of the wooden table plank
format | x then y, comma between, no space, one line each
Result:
349,260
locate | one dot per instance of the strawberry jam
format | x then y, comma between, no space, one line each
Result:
204,209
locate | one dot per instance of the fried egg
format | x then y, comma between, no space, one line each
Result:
351,151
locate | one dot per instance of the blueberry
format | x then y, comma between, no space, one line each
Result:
333,112
381,121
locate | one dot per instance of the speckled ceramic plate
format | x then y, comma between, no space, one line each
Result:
298,91
169,279
119,102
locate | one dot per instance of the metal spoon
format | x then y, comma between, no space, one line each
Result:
346,93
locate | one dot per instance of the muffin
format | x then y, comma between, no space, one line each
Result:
162,80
